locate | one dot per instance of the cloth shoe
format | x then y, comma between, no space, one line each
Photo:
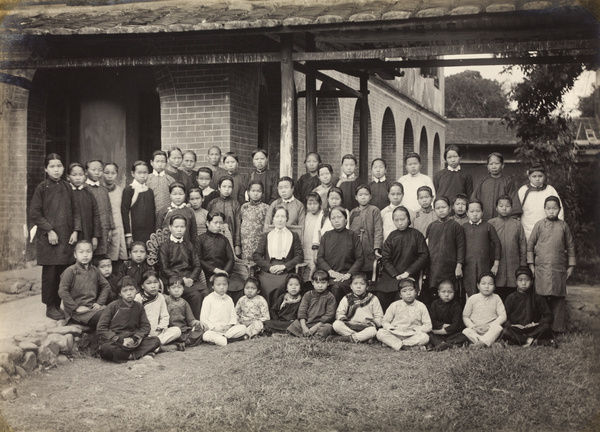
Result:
55,313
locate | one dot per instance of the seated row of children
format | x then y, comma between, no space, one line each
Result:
138,323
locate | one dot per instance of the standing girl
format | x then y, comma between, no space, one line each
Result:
262,173
326,180
178,206
230,208
94,170
365,220
494,185
232,162
91,229
196,199
532,197
55,213
187,169
137,206
482,247
158,180
446,242
117,248
253,214
451,181
311,232
174,160
309,181
335,196
551,258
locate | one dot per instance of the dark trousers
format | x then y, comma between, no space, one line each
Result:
444,342
558,306
50,281
114,351
386,298
517,336
339,290
92,322
194,295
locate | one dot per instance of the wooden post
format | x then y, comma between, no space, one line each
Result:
364,128
286,145
311,102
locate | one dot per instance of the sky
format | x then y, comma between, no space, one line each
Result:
583,86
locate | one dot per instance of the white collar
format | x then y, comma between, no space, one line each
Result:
173,206
159,174
176,240
92,183
288,200
348,177
77,187
379,180
454,169
136,184
473,223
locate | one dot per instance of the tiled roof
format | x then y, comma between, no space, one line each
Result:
479,132
81,17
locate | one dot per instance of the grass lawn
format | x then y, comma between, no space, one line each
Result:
280,384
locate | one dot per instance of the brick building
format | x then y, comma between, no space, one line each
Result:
118,79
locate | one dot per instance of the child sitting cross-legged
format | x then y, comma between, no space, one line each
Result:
252,309
406,322
284,310
484,313
156,309
124,327
218,317
529,319
446,318
358,314
82,288
316,311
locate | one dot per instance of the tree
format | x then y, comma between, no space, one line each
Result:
546,136
587,105
469,95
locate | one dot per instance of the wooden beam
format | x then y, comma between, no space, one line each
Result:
286,145
327,94
15,80
329,80
164,60
425,51
350,67
363,161
311,102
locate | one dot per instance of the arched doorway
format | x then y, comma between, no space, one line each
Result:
356,137
329,130
408,142
423,152
437,154
388,144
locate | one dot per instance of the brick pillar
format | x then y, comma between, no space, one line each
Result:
13,174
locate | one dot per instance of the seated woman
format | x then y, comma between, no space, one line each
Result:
216,255
404,255
340,253
277,254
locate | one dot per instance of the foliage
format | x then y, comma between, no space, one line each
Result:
546,136
469,95
587,104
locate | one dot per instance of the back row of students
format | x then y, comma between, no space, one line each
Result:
453,252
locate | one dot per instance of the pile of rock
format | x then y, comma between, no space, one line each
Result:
23,354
